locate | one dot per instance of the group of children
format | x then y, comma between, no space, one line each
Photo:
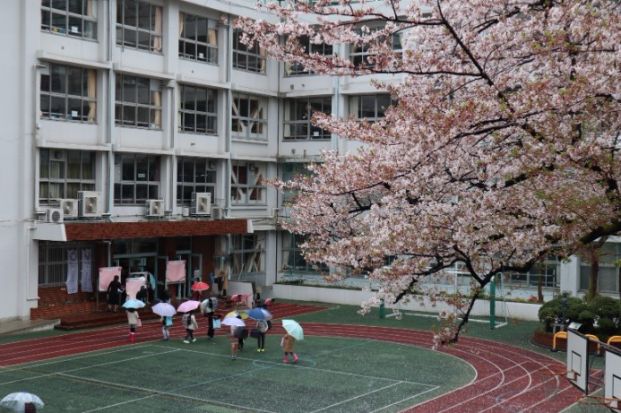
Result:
236,334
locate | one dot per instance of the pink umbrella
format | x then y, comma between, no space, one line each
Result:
189,305
200,286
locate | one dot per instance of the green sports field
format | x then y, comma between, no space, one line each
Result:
333,375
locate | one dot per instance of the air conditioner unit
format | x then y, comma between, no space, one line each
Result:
89,204
54,215
154,208
217,213
69,207
201,203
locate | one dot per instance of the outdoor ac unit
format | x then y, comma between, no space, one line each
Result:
89,204
201,203
154,208
69,207
54,215
217,213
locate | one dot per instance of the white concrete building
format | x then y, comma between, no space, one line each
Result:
115,105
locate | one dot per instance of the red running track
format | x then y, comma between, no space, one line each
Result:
508,379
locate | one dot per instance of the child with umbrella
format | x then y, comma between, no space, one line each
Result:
133,319
294,333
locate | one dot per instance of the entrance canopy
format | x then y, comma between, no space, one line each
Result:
91,231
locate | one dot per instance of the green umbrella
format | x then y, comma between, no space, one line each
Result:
294,329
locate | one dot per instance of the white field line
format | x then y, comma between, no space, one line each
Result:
357,397
404,400
297,366
108,363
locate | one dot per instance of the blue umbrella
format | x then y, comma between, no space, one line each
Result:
133,303
259,314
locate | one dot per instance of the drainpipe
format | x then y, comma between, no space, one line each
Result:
227,117
110,111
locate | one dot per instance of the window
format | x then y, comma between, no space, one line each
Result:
76,18
298,115
292,258
290,171
198,39
362,57
251,59
195,175
136,178
139,25
53,258
369,107
545,271
62,174
138,102
609,257
249,117
197,110
68,93
247,187
293,69
248,254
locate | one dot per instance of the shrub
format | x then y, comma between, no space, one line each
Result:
553,309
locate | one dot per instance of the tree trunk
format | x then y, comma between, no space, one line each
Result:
540,290
594,257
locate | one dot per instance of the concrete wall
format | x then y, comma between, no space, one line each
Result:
521,311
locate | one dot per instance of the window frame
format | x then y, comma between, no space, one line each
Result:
244,258
120,104
211,55
120,182
247,123
53,257
154,34
84,183
376,103
358,54
85,19
256,53
88,85
208,186
297,69
195,113
242,192
313,133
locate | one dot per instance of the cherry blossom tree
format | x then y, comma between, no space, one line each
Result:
503,146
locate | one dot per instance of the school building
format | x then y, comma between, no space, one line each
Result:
136,132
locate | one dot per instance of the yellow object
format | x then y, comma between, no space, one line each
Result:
243,314
614,339
594,339
560,334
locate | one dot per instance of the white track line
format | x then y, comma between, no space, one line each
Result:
357,397
404,400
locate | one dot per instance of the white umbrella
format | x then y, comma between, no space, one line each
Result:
164,309
17,401
233,321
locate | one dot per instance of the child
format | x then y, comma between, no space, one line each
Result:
234,341
167,322
189,321
261,330
287,343
133,319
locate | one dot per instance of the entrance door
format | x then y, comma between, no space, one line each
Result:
193,265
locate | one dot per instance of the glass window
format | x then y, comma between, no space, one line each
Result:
248,254
77,18
247,58
361,55
53,258
546,272
139,25
68,93
198,110
62,174
290,171
249,117
195,175
198,39
138,102
369,107
298,113
608,273
136,178
294,69
247,186
292,258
